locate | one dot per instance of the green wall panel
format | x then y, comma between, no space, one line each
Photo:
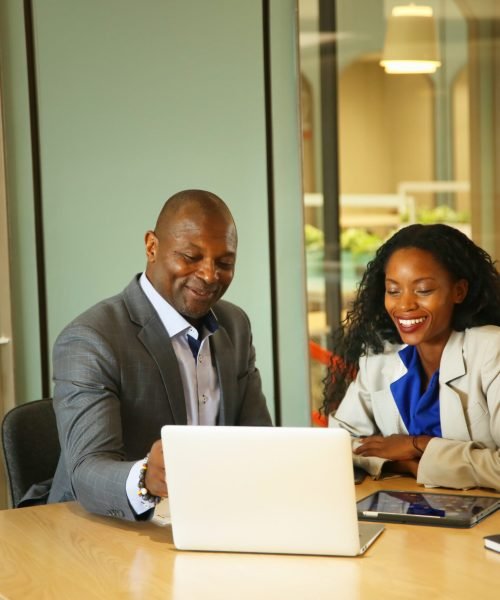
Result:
138,100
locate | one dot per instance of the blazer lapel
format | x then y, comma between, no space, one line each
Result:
159,346
162,351
387,410
222,350
453,423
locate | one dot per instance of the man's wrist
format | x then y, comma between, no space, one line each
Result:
138,505
142,490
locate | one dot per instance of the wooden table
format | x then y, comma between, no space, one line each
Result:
61,552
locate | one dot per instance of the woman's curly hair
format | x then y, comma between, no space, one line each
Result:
368,326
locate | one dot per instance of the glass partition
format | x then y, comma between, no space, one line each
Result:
384,149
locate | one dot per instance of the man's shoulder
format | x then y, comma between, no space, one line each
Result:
224,307
106,312
230,315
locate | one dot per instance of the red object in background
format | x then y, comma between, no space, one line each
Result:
317,352
319,419
323,356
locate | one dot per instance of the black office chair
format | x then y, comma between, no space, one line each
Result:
30,446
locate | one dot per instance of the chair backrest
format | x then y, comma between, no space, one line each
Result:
30,446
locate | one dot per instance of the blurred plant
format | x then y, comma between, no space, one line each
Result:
359,240
439,214
314,238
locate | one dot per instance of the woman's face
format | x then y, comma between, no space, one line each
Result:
420,297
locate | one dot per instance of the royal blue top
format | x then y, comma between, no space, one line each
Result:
419,408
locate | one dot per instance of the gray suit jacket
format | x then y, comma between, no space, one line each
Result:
468,454
117,381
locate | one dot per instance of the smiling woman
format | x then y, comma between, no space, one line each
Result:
420,298
419,379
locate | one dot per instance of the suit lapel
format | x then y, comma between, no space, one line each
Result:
388,411
453,423
161,349
159,346
222,350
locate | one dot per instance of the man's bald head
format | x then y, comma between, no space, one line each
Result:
192,202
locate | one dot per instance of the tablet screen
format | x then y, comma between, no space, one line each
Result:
452,509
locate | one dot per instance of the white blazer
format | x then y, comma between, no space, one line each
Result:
469,397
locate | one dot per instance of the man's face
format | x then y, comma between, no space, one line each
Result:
191,261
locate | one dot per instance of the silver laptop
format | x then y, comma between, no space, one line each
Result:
263,489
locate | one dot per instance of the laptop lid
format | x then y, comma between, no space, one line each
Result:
427,508
262,489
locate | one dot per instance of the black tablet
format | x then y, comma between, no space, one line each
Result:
426,508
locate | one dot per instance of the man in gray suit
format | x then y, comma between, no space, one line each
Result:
166,350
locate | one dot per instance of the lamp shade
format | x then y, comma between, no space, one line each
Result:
410,42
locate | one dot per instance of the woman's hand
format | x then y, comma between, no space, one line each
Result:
397,447
402,467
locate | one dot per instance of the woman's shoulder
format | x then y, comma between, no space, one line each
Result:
388,350
485,332
388,354
376,369
481,348
480,343
474,338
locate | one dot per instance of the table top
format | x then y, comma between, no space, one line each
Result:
61,551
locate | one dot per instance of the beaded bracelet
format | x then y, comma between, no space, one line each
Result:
414,442
143,490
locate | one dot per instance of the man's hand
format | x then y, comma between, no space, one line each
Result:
156,479
397,447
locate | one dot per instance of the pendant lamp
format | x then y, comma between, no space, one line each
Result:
410,43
